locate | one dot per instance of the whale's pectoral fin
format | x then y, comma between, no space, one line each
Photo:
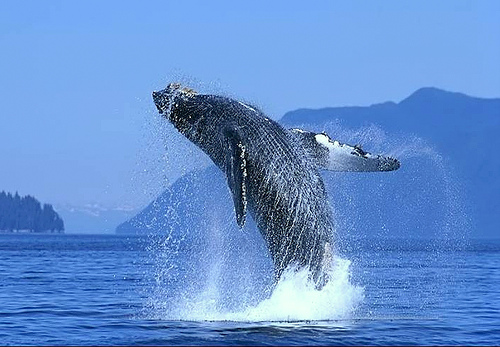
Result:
335,156
236,172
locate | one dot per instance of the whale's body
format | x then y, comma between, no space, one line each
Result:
271,171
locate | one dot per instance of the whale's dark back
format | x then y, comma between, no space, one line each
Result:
285,192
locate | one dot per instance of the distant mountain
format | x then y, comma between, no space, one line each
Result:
185,200
462,128
448,183
93,219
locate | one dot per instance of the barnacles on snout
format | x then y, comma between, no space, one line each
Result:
188,92
184,91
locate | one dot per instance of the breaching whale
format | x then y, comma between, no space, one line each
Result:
272,172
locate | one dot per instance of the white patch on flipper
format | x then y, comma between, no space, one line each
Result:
340,155
333,146
328,143
245,105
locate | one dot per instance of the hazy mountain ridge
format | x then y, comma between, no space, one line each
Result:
185,200
461,128
93,218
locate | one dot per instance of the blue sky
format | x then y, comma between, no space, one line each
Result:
77,121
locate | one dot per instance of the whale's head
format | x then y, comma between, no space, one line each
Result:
167,98
177,104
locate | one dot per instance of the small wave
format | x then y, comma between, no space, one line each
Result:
294,298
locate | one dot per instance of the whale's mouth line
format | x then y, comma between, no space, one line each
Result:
160,110
158,99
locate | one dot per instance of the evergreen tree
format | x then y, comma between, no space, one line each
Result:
26,213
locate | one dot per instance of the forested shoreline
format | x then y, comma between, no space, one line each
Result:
27,214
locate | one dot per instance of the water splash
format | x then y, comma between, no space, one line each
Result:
421,207
206,268
210,270
295,298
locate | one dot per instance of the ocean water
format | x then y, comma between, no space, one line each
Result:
115,290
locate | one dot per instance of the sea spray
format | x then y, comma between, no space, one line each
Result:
222,273
295,297
421,207
206,268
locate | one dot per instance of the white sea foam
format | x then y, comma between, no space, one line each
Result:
295,298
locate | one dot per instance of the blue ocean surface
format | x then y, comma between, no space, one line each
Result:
115,290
